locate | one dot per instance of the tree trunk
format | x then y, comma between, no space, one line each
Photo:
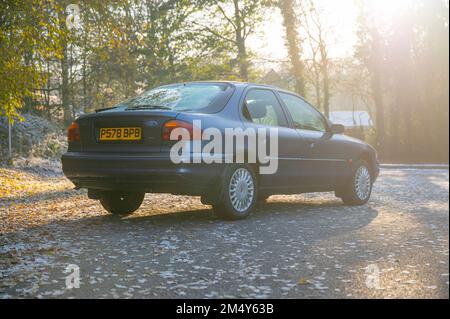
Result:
326,80
293,43
240,42
28,100
377,93
65,88
326,96
318,88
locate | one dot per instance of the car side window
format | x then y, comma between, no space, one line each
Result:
262,107
305,117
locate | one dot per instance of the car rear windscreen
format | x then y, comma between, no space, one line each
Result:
189,97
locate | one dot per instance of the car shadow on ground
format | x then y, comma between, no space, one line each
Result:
328,212
275,208
207,214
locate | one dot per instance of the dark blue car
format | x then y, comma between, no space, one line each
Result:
121,153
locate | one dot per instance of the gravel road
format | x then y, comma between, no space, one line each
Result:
302,246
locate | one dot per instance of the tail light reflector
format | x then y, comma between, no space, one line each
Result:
171,125
73,133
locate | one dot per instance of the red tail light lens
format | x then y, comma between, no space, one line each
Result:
169,126
73,133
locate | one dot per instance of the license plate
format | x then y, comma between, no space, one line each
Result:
120,133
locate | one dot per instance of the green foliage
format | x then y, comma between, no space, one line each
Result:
26,32
229,23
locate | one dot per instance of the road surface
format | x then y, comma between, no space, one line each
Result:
302,246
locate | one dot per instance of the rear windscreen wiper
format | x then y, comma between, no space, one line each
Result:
150,107
105,109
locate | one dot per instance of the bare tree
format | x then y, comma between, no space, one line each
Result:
293,42
239,19
369,52
320,62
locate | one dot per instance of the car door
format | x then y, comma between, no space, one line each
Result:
261,109
320,163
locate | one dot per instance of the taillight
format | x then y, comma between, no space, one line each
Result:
169,126
73,133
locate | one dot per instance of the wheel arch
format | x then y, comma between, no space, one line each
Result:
367,157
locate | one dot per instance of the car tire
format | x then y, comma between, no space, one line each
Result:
359,188
238,193
121,203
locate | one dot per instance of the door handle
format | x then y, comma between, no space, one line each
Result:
311,143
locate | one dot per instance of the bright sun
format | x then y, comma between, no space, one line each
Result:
340,16
387,10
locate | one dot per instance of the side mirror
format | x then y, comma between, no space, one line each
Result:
337,128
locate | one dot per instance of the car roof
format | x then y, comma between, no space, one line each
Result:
243,84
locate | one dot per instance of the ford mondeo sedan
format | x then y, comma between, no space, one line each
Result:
122,152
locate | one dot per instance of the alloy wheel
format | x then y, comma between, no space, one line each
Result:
241,190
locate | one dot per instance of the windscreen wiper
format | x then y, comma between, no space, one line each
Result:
105,109
149,107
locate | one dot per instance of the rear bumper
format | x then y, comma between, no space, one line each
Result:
149,173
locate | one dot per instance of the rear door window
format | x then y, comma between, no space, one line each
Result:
262,107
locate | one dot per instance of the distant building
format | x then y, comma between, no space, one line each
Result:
357,123
284,81
352,119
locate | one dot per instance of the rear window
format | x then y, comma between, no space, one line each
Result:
189,97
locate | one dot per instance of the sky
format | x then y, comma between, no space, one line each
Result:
340,19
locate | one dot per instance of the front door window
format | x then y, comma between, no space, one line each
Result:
305,117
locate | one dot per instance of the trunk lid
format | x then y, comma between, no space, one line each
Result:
150,122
